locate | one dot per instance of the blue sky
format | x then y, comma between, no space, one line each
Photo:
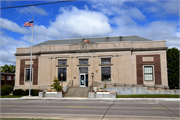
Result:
153,19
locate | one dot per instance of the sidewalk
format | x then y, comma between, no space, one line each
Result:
89,99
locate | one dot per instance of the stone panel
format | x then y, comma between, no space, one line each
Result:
148,58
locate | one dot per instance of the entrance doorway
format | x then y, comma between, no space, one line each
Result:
83,75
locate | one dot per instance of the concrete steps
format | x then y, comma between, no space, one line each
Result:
77,92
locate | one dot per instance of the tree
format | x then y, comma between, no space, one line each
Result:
56,85
173,67
8,68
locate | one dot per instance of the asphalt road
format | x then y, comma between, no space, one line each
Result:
98,110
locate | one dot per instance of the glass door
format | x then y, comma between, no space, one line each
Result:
82,79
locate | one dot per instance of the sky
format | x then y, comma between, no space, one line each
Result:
152,19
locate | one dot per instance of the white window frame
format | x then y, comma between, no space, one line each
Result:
25,75
152,73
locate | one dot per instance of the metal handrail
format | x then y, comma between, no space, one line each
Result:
70,84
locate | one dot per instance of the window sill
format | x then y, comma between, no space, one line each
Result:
61,65
147,63
105,64
83,65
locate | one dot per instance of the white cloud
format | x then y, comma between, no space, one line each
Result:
8,47
161,8
158,30
33,10
82,22
10,25
116,7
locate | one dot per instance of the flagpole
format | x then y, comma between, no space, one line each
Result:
31,60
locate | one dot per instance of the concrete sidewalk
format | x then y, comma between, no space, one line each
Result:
91,99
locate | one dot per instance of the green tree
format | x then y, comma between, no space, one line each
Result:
8,68
173,67
56,85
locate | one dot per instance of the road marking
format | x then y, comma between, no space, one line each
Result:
80,106
8,105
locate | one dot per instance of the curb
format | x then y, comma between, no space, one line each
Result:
93,99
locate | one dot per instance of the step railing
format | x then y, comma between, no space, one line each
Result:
70,84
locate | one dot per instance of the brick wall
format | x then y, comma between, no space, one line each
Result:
157,68
35,71
9,82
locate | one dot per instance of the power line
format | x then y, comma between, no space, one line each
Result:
36,4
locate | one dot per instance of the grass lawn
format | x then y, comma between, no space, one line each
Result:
148,96
11,96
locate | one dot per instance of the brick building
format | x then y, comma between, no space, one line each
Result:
122,60
7,78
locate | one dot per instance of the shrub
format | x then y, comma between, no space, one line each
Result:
18,92
56,85
34,92
6,89
105,86
25,92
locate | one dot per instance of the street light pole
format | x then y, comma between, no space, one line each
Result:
92,74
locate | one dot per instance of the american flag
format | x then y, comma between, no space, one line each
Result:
28,24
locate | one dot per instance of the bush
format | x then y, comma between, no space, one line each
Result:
6,89
25,92
34,92
18,92
56,85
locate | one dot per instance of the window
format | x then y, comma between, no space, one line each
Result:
105,61
27,75
13,77
83,61
8,77
2,77
148,73
83,70
62,70
106,73
62,62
